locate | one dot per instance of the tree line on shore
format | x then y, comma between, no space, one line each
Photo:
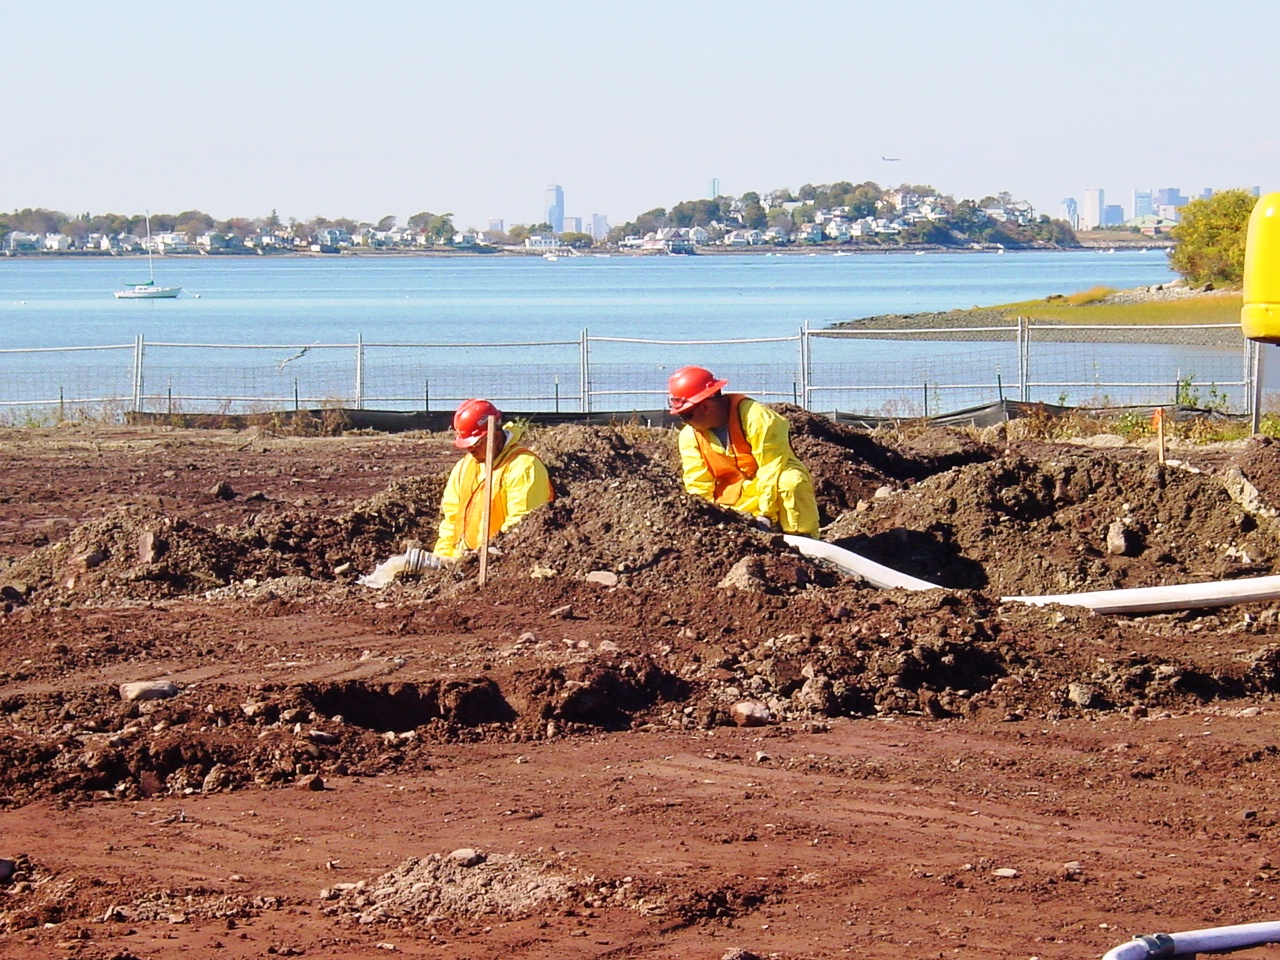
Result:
945,222
1208,242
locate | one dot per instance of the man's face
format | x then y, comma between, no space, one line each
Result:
711,414
477,449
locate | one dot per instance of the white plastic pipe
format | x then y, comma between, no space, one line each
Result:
1183,596
854,564
1214,593
1210,940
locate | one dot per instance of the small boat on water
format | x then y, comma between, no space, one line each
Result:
147,289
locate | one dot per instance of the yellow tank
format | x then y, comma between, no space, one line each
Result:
1260,315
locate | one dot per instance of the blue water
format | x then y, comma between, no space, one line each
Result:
270,308
460,299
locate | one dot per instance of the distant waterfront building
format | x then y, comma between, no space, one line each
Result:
1091,211
555,208
497,225
715,187
599,226
1112,215
573,224
540,241
1070,212
1143,205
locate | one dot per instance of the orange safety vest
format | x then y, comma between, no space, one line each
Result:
473,509
731,469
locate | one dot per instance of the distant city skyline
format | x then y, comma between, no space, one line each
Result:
1164,203
305,107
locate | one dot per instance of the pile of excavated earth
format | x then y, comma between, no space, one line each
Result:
183,625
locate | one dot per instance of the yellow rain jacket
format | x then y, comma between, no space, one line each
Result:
521,485
756,473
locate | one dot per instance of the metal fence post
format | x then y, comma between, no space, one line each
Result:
360,371
1024,360
805,347
138,350
584,370
1254,368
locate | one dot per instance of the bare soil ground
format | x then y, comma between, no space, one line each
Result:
655,731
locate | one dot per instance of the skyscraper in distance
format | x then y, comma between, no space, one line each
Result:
1070,212
1091,210
554,206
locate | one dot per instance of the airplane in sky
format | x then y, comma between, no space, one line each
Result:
890,159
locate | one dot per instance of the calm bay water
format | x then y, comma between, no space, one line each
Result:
326,304
46,303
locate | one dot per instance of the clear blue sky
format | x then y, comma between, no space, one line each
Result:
363,109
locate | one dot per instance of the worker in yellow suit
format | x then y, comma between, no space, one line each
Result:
737,452
520,481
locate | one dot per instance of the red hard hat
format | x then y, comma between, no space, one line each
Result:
471,422
689,386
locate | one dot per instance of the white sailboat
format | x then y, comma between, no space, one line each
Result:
147,289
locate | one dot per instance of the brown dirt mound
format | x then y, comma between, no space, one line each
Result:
582,709
1074,523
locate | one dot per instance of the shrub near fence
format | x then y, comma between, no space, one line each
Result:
898,372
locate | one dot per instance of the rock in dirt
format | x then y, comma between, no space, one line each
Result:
467,856
222,491
151,546
218,778
1120,540
91,559
744,575
750,713
148,690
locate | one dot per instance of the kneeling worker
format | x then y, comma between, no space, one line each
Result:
737,452
521,482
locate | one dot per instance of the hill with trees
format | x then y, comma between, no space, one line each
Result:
860,214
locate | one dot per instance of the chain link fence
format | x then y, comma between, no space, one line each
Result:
886,372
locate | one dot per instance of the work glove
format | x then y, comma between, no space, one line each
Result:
765,524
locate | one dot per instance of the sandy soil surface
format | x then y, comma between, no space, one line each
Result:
655,731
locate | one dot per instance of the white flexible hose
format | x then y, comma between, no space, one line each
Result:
1183,596
1212,939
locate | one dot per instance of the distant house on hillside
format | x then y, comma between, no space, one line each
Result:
810,233
22,242
171,243
333,237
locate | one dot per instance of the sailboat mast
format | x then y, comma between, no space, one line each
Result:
151,266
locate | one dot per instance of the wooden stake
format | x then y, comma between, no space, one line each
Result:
1159,418
487,511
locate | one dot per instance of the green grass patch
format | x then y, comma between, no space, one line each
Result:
1089,307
